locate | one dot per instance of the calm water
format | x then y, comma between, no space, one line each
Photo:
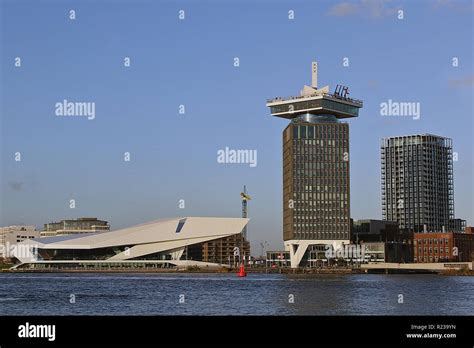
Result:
224,294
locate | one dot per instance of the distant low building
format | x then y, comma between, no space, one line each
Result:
382,241
371,230
372,226
278,259
458,225
444,246
12,235
394,251
75,226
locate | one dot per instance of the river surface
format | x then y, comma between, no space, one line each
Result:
225,294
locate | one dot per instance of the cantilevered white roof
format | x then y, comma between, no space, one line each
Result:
147,238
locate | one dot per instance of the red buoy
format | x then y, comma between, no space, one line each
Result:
242,272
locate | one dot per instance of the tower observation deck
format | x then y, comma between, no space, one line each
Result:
316,102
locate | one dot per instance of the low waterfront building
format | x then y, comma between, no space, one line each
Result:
394,251
444,246
371,230
278,259
372,226
161,243
382,241
75,226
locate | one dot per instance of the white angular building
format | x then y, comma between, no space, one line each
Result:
163,243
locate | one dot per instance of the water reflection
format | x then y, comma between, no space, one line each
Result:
225,294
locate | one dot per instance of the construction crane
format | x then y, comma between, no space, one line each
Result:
245,197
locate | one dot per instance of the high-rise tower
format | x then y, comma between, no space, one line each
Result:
417,182
316,186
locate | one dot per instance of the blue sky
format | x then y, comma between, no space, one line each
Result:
190,62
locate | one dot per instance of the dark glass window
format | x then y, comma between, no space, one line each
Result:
180,225
303,132
295,132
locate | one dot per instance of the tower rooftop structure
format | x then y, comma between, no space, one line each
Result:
316,101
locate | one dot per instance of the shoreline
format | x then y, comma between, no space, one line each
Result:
283,271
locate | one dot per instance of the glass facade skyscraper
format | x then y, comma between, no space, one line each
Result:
417,182
316,195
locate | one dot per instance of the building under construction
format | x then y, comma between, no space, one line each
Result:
221,251
231,250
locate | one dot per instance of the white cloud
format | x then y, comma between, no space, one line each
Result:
343,9
454,5
368,8
464,81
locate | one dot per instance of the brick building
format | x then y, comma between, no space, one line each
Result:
444,247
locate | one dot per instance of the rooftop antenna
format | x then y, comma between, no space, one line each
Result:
314,75
313,90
